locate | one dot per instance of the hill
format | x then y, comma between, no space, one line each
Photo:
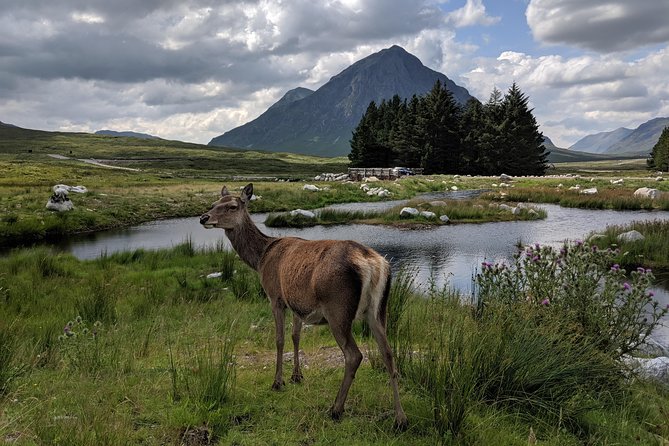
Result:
623,141
321,122
600,142
126,134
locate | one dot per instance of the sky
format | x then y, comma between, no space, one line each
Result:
194,69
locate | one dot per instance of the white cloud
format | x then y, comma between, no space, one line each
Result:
573,97
600,25
472,13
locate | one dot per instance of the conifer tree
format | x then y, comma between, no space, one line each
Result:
441,122
659,157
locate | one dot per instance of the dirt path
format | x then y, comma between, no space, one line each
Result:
91,161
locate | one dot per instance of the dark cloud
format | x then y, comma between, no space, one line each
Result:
600,25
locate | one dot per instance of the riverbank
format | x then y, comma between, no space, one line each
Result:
125,349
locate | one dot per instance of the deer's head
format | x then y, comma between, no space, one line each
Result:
229,211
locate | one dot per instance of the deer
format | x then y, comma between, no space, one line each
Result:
331,282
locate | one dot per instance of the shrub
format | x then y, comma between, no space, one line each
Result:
582,287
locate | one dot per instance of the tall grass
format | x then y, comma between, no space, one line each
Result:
652,251
9,369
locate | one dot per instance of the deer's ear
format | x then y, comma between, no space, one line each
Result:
247,193
225,191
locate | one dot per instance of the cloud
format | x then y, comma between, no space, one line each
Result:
600,25
575,96
472,13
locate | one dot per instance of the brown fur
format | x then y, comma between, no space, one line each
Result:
321,281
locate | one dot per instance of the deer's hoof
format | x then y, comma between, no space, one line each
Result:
278,385
401,424
296,378
336,414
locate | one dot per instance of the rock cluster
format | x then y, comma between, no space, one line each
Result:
60,201
378,191
331,177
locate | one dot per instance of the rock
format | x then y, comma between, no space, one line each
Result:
59,201
255,197
630,236
303,213
454,187
532,212
515,211
504,185
596,237
444,218
659,179
656,369
214,275
591,191
384,193
77,189
494,184
311,187
438,203
577,187
409,212
618,181
505,207
647,192
504,177
428,214
371,179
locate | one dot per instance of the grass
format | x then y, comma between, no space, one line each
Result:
458,211
651,252
174,358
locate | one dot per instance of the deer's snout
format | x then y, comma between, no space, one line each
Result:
204,218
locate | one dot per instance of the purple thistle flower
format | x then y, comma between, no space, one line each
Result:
648,270
578,242
651,294
641,270
545,302
535,259
615,267
594,248
627,286
537,246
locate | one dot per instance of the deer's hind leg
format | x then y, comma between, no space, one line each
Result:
279,312
297,327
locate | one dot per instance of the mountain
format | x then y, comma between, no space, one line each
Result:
127,134
642,139
600,142
4,124
624,141
321,122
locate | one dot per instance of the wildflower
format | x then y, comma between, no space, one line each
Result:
536,258
627,286
615,267
537,246
594,248
578,242
545,302
651,294
641,270
648,270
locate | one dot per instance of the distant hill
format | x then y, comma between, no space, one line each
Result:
600,142
4,124
642,139
320,122
623,141
126,134
559,155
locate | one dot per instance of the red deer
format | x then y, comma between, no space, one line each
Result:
322,282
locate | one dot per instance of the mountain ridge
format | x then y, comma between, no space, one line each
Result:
321,122
623,141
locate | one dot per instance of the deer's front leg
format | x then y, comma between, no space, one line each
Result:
279,309
297,327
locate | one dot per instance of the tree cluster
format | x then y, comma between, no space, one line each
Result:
659,157
436,133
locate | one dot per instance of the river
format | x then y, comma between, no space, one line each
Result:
448,255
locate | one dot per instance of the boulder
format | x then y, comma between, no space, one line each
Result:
428,214
454,188
659,179
59,201
647,192
444,218
383,193
506,207
504,177
591,191
656,369
303,213
515,211
311,188
630,236
409,212
371,179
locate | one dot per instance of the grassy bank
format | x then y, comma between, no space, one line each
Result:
651,252
457,211
140,347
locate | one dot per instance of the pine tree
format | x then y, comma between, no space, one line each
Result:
659,157
490,142
521,140
441,124
471,129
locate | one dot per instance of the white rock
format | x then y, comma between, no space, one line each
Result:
647,192
577,187
214,275
630,236
371,179
532,212
504,177
428,214
303,213
454,187
591,191
409,212
494,184
515,211
504,185
618,181
652,368
505,207
659,179
444,218
311,187
384,193
59,206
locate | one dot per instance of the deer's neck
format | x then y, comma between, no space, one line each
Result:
249,242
